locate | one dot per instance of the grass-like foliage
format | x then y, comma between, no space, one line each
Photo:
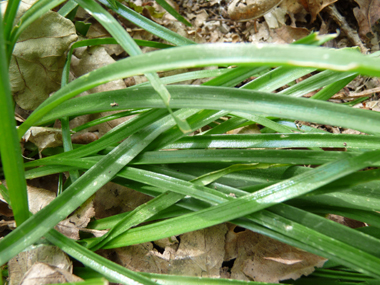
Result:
290,204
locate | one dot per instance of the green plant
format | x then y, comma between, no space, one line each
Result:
285,207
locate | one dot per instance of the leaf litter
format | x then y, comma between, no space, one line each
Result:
220,251
38,58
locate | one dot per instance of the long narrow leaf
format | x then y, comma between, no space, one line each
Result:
128,44
216,98
107,268
83,188
148,25
288,140
77,193
332,250
203,55
173,12
10,149
269,196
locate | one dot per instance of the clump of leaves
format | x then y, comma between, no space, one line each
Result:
272,192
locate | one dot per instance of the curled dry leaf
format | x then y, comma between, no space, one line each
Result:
47,254
71,226
36,65
44,137
299,8
244,10
112,199
41,273
367,14
38,198
266,260
199,253
316,6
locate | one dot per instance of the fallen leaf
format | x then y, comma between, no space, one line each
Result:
293,6
290,34
263,259
295,10
44,137
243,10
112,199
41,273
367,14
163,243
138,258
71,226
84,138
36,65
201,18
39,198
282,260
199,253
316,6
98,31
47,254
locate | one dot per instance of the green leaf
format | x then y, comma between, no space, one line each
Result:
124,39
288,140
149,25
173,12
10,149
107,268
233,99
84,187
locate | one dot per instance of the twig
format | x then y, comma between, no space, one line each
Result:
341,21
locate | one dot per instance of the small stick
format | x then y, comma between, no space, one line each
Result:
364,93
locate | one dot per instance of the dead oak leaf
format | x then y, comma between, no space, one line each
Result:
41,273
36,65
199,253
24,261
299,7
44,137
367,15
316,6
266,260
71,226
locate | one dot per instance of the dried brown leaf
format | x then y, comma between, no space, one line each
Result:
71,226
243,10
41,273
367,15
38,58
266,260
316,6
199,253
114,199
44,137
47,254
